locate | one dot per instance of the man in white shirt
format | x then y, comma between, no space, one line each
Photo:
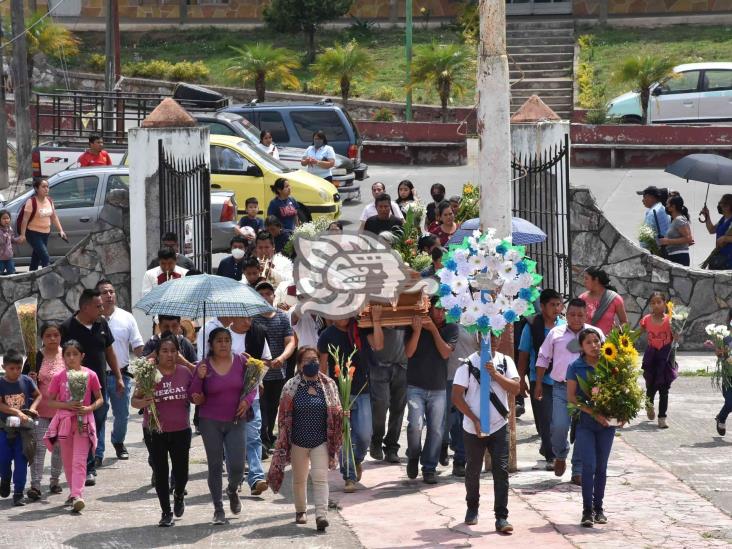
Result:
167,269
377,189
126,336
466,398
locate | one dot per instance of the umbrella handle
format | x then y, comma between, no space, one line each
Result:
702,216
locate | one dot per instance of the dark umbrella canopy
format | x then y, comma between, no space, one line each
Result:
707,168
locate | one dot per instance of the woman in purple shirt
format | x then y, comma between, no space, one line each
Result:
172,404
217,388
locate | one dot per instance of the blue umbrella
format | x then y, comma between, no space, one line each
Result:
522,232
202,295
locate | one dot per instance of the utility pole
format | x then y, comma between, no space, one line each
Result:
4,179
111,65
22,91
408,75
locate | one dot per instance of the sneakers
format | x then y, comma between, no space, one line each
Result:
18,500
662,423
503,526
321,523
219,517
5,487
259,487
359,472
391,456
34,494
78,505
587,520
650,412
376,453
69,501
429,477
121,452
549,465
600,517
444,458
91,480
349,487
166,520
55,488
234,501
179,505
412,470
721,430
458,469
560,465
471,517
301,518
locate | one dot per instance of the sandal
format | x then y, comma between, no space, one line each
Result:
34,494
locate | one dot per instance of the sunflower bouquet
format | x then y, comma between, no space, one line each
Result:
253,376
612,388
469,203
343,371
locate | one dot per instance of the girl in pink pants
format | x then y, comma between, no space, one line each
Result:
64,428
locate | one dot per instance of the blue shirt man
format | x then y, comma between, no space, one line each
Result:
656,217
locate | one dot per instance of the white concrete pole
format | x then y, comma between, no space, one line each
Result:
493,117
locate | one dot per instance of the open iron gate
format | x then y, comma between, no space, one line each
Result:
541,195
185,205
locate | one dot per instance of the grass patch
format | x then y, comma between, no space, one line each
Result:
701,372
684,43
211,46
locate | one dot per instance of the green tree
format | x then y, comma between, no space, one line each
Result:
444,68
345,63
304,16
642,71
261,64
49,38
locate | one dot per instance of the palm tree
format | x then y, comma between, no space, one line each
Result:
442,67
345,62
49,38
642,71
263,63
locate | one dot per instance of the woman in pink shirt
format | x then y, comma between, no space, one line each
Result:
49,362
604,305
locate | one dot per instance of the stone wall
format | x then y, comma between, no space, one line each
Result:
636,273
585,8
104,253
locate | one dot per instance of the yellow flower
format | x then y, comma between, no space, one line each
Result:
625,343
468,189
670,307
609,351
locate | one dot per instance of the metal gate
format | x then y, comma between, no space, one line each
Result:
185,205
541,195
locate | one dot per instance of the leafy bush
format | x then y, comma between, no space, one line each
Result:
597,115
96,62
469,21
383,115
316,88
361,28
189,71
385,93
591,92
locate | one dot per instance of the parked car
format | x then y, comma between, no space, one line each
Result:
292,124
696,92
249,171
229,123
79,196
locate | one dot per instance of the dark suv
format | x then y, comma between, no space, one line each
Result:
292,124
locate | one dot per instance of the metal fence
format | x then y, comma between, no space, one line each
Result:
541,195
185,205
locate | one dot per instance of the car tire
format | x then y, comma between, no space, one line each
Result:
631,119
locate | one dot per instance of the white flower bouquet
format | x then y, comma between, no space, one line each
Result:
147,376
78,381
648,239
719,337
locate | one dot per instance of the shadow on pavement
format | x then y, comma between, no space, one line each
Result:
716,442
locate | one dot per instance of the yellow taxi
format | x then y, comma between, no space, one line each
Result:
239,167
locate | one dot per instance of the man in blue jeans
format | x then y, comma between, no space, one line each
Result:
126,336
429,344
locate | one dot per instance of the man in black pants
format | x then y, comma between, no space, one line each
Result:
504,380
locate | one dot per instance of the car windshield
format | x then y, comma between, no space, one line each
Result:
247,129
263,158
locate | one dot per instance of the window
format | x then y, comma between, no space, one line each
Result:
116,182
717,80
225,160
272,122
79,192
217,128
308,122
685,82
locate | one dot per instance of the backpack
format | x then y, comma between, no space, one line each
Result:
34,209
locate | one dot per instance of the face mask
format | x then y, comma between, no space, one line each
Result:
238,253
311,369
318,143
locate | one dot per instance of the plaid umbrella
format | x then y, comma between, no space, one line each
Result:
522,232
203,295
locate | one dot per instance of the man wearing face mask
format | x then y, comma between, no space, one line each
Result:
233,266
654,199
438,195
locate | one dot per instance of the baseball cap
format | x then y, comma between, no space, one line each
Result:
652,190
264,285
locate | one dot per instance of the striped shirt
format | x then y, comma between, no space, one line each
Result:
277,329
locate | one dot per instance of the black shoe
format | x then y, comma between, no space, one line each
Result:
377,453
34,494
412,468
234,501
429,477
503,526
471,517
98,462
458,469
721,427
600,517
55,488
391,456
444,458
179,505
321,523
520,410
219,517
18,500
166,520
587,521
121,451
5,487
90,480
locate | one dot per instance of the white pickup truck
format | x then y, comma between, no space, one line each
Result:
50,158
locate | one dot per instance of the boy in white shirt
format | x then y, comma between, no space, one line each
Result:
466,398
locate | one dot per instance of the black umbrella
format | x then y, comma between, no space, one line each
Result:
707,168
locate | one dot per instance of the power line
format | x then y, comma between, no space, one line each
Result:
49,12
